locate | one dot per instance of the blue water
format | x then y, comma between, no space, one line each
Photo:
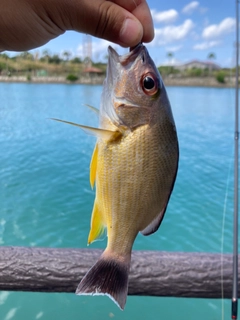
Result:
46,199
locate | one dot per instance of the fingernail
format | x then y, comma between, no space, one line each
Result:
131,33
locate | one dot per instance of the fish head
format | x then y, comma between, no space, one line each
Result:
133,90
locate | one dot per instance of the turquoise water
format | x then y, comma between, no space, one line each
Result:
46,199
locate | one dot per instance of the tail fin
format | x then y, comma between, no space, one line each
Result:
108,276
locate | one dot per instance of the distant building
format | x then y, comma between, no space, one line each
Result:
92,75
196,64
41,73
93,71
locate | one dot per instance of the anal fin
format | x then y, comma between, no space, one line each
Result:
97,224
93,166
155,223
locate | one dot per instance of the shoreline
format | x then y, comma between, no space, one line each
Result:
168,81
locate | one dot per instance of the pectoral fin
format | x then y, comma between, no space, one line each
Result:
97,132
97,224
93,166
95,110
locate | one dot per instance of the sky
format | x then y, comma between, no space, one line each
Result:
190,30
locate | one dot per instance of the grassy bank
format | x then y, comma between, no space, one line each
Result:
31,66
26,67
92,79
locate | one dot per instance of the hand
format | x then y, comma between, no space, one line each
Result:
27,24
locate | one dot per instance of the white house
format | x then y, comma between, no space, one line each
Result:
199,65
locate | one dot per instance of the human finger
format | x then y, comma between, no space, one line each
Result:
106,20
140,9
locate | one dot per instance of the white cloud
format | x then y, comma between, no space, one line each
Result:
171,62
173,48
168,16
170,34
101,46
206,45
189,8
217,30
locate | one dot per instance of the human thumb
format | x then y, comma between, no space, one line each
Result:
105,20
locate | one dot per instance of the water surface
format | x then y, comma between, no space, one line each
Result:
46,199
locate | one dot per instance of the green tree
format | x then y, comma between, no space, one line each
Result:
170,57
211,56
76,60
4,65
67,55
4,55
26,55
220,76
55,59
72,78
46,55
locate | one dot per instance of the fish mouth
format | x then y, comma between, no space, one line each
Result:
127,58
116,62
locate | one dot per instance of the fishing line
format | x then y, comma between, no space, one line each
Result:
223,227
236,174
235,220
230,169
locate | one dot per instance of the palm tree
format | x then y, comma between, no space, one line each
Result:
67,55
211,56
46,55
170,57
26,55
6,57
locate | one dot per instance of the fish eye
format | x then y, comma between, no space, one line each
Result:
149,84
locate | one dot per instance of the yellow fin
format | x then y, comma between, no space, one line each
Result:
97,226
93,166
97,132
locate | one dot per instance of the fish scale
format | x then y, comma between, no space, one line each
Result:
132,164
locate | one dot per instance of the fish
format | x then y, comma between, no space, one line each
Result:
133,167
